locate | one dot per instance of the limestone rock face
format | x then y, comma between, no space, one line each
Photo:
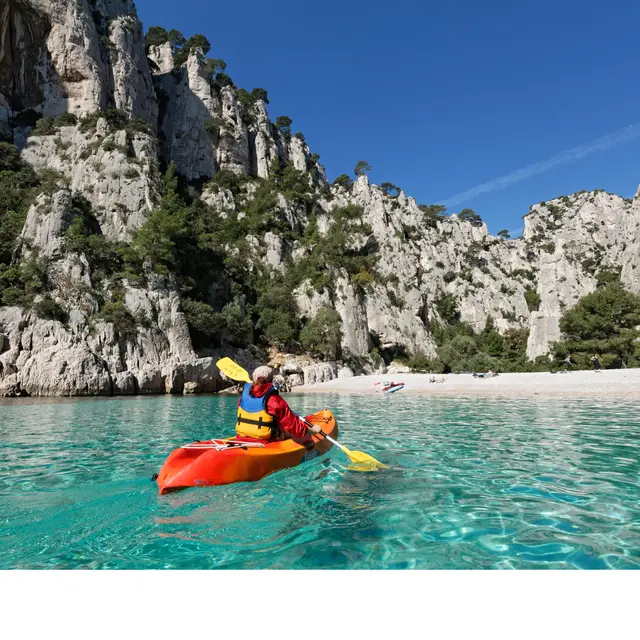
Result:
321,372
350,306
116,171
190,104
74,56
136,112
263,145
565,242
124,384
198,376
47,220
50,364
150,381
161,57
233,142
132,84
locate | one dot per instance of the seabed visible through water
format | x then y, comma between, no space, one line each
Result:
475,483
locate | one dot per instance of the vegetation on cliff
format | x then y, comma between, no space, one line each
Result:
216,254
605,323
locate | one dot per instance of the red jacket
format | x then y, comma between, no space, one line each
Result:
279,409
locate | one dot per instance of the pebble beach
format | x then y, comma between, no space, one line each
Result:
618,382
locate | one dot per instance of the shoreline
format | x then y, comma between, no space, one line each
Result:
621,383
605,383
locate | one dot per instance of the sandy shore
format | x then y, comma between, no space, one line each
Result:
620,382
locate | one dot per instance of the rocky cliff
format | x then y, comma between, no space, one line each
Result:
93,302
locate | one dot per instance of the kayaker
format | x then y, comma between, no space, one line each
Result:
264,415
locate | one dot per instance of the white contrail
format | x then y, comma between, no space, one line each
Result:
599,144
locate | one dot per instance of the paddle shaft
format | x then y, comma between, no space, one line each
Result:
234,371
322,433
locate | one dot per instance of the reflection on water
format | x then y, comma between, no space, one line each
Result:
472,483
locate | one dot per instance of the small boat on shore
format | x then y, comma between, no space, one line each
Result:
391,387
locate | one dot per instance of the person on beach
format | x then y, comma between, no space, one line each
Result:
263,415
595,361
568,361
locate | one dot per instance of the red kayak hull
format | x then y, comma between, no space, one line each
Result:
196,465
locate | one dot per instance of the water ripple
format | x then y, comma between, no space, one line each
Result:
473,483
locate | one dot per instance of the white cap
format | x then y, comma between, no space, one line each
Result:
263,373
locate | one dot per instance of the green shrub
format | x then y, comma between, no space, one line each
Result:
529,274
184,47
18,181
259,94
362,167
105,258
607,276
277,313
532,298
223,80
237,323
481,362
138,125
447,307
333,254
433,214
214,126
322,334
20,283
116,119
205,325
549,247
156,36
157,239
344,181
395,299
66,120
419,363
450,276
390,189
469,215
283,124
248,100
123,321
44,127
362,281
48,309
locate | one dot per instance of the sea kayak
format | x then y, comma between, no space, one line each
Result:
224,461
394,388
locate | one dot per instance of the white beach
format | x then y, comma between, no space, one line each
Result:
618,382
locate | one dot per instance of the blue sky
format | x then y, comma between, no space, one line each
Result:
440,96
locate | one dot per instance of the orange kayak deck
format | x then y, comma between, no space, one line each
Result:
225,461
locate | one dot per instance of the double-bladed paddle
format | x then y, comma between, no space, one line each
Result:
363,461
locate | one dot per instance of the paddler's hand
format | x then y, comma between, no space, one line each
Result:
316,429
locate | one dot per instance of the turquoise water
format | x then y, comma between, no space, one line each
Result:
473,484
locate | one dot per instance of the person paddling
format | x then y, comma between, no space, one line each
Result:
263,415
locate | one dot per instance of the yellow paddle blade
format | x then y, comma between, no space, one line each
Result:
363,461
233,370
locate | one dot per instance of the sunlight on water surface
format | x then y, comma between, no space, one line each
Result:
473,483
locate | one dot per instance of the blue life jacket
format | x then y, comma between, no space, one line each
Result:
253,419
